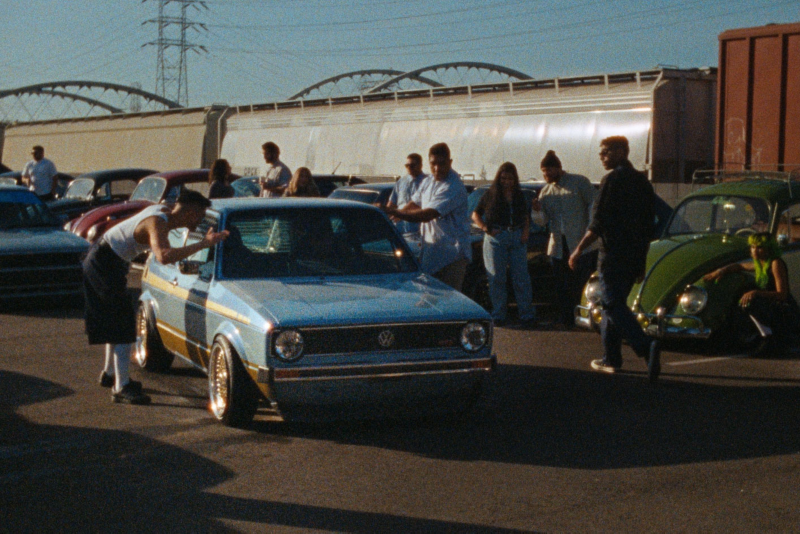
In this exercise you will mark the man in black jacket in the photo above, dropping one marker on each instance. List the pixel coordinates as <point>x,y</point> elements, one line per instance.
<point>623,219</point>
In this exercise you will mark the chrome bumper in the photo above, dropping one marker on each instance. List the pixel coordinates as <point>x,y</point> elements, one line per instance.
<point>662,326</point>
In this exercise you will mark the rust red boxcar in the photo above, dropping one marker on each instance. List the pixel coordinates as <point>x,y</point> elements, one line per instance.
<point>758,98</point>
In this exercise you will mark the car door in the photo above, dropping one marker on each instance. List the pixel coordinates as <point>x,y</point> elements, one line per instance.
<point>788,236</point>
<point>193,279</point>
<point>163,284</point>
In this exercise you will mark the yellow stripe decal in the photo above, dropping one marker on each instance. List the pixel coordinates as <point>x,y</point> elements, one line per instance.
<point>183,294</point>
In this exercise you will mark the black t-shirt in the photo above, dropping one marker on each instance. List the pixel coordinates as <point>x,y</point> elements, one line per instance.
<point>503,213</point>
<point>220,190</point>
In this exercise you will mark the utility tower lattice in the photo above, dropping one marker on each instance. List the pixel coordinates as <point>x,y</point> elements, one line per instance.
<point>172,73</point>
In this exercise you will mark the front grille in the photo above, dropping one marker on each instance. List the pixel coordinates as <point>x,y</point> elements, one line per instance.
<point>420,336</point>
<point>40,274</point>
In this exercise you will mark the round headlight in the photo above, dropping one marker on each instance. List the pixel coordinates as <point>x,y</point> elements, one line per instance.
<point>91,235</point>
<point>593,292</point>
<point>289,345</point>
<point>474,337</point>
<point>693,300</point>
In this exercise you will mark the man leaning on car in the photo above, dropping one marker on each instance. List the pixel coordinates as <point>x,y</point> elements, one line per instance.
<point>440,206</point>
<point>110,317</point>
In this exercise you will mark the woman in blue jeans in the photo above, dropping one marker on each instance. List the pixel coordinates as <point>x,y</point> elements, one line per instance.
<point>504,216</point>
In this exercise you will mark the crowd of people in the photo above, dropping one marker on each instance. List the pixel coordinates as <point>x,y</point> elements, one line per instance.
<point>607,230</point>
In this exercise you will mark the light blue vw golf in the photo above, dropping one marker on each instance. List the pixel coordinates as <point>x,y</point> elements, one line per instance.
<point>310,302</point>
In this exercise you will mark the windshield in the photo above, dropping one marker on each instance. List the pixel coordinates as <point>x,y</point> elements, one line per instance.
<point>22,209</point>
<point>150,189</point>
<point>80,188</point>
<point>246,187</point>
<point>289,242</point>
<point>367,197</point>
<point>720,215</point>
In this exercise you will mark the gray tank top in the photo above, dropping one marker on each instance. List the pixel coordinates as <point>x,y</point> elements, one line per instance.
<point>120,238</point>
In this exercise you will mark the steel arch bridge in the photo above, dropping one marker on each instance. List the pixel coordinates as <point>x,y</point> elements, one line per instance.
<point>76,98</point>
<point>370,81</point>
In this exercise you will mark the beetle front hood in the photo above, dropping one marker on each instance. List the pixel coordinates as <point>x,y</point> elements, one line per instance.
<point>675,262</point>
<point>362,300</point>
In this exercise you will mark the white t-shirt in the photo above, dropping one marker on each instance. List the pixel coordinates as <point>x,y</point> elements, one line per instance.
<point>41,175</point>
<point>277,174</point>
<point>121,238</point>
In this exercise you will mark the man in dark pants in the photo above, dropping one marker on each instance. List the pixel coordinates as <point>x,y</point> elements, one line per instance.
<point>110,317</point>
<point>623,219</point>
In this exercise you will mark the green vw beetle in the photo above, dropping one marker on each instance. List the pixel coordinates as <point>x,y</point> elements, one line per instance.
<point>709,229</point>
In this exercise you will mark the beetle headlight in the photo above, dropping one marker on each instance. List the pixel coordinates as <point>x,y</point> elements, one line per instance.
<point>289,345</point>
<point>593,292</point>
<point>474,337</point>
<point>91,235</point>
<point>693,300</point>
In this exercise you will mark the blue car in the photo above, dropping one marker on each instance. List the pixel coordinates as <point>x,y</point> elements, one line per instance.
<point>37,257</point>
<point>308,303</point>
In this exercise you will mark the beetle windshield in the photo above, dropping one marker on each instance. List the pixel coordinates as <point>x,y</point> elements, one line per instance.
<point>720,215</point>
<point>312,242</point>
<point>80,188</point>
<point>22,209</point>
<point>150,189</point>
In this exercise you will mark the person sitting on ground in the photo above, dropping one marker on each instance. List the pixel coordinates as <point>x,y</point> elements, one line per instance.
<point>771,303</point>
<point>219,179</point>
<point>301,184</point>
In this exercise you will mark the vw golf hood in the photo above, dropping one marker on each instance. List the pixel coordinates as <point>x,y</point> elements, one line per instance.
<point>678,261</point>
<point>362,300</point>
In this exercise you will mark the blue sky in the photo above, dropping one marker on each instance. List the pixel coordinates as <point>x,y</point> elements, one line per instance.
<point>266,50</point>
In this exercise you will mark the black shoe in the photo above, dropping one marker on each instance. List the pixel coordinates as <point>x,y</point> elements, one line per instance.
<point>605,367</point>
<point>131,393</point>
<point>654,361</point>
<point>106,380</point>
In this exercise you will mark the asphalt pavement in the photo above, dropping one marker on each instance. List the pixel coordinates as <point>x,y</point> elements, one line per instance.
<point>550,447</point>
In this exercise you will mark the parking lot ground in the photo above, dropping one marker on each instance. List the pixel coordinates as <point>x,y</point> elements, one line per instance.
<point>550,446</point>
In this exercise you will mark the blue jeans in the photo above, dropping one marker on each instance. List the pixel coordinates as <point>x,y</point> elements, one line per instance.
<point>501,253</point>
<point>618,320</point>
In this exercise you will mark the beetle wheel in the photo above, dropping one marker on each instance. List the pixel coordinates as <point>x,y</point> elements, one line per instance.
<point>150,353</point>
<point>232,394</point>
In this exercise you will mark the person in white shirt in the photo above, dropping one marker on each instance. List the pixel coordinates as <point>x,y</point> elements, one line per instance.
<point>404,190</point>
<point>39,175</point>
<point>440,206</point>
<point>109,314</point>
<point>566,203</point>
<point>277,176</point>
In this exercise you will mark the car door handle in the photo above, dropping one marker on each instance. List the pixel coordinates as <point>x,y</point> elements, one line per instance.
<point>174,281</point>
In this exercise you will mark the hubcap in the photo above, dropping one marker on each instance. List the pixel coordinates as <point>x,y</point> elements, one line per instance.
<point>218,381</point>
<point>141,339</point>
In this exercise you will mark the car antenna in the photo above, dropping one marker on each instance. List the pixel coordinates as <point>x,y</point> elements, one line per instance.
<point>335,168</point>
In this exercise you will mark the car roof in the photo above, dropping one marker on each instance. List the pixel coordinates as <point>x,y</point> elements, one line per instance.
<point>4,187</point>
<point>183,176</point>
<point>773,190</point>
<point>229,205</point>
<point>118,174</point>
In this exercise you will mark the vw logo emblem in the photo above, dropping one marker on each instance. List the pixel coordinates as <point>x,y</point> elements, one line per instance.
<point>386,339</point>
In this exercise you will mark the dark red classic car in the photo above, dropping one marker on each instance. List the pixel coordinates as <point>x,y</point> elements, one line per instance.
<point>163,187</point>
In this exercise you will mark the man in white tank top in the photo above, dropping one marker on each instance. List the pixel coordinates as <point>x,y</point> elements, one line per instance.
<point>110,316</point>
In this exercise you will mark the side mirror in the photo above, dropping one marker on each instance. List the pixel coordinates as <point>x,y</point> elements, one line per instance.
<point>189,267</point>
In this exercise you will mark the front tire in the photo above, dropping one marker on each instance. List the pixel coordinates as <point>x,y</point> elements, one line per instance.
<point>150,353</point>
<point>233,396</point>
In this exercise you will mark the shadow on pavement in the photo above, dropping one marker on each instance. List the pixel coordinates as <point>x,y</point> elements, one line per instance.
<point>575,419</point>
<point>68,479</point>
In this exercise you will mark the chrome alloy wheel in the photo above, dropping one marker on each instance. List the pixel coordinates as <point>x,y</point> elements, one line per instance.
<point>219,381</point>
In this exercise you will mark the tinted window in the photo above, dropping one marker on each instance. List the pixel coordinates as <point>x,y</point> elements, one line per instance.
<point>367,197</point>
<point>22,209</point>
<point>312,242</point>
